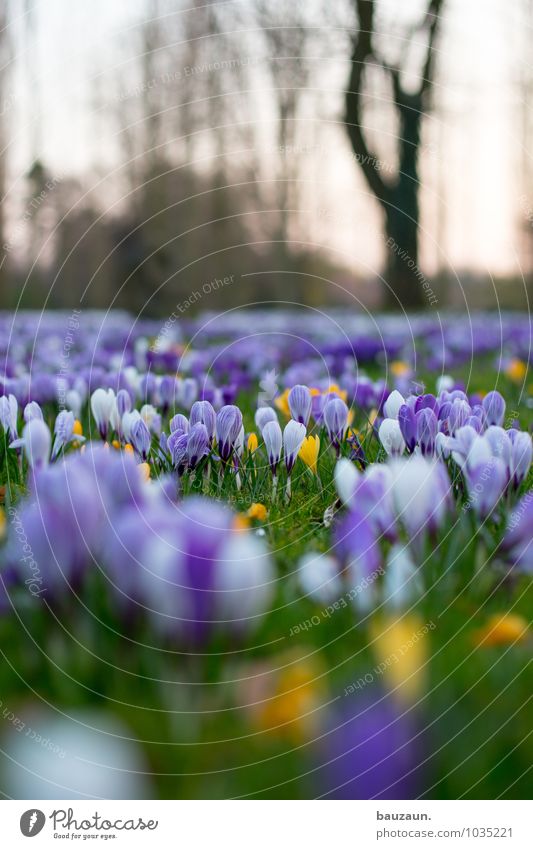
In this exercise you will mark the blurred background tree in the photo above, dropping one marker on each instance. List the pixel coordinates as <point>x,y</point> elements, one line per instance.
<point>283,143</point>
<point>398,196</point>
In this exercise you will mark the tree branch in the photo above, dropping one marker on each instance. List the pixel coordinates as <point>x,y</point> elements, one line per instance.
<point>433,21</point>
<point>362,51</point>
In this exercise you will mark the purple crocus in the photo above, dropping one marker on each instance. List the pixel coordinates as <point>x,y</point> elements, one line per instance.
<point>521,457</point>
<point>179,423</point>
<point>64,432</point>
<point>486,483</point>
<point>517,545</point>
<point>228,426</point>
<point>202,412</point>
<point>408,426</point>
<point>197,444</point>
<point>336,419</point>
<point>124,404</point>
<point>140,439</point>
<point>177,448</point>
<point>300,403</point>
<point>494,407</point>
<point>198,575</point>
<point>370,750</point>
<point>426,430</point>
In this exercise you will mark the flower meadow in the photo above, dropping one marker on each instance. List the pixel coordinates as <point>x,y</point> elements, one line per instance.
<point>290,562</point>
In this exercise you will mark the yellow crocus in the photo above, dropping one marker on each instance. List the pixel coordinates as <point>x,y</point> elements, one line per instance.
<point>282,403</point>
<point>309,452</point>
<point>401,648</point>
<point>516,370</point>
<point>128,448</point>
<point>257,511</point>
<point>77,429</point>
<point>399,368</point>
<point>252,443</point>
<point>502,629</point>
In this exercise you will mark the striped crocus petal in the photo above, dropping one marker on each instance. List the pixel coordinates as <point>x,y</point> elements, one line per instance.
<point>197,444</point>
<point>300,404</point>
<point>228,427</point>
<point>293,437</point>
<point>202,412</point>
<point>273,443</point>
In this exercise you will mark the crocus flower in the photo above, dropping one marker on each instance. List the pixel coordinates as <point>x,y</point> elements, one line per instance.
<point>309,452</point>
<point>357,547</point>
<point>408,426</point>
<point>390,436</point>
<point>335,417</point>
<point>64,432</point>
<point>486,483</point>
<point>293,437</point>
<point>177,447</point>
<point>140,438</point>
<point>370,750</point>
<point>273,438</point>
<point>517,544</point>
<point>8,415</point>
<point>151,418</point>
<point>127,422</point>
<point>264,415</point>
<point>299,400</point>
<point>35,442</point>
<point>426,430</point>
<point>180,423</point>
<point>521,457</point>
<point>103,403</point>
<point>201,576</point>
<point>319,577</point>
<point>345,477</point>
<point>228,427</point>
<point>74,402</point>
<point>202,412</point>
<point>197,444</point>
<point>494,407</point>
<point>421,493</point>
<point>393,404</point>
<point>402,584</point>
<point>123,402</point>
<point>32,411</point>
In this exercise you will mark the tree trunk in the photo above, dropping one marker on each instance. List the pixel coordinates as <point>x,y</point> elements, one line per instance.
<point>404,278</point>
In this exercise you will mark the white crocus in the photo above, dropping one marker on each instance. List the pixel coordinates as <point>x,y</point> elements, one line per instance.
<point>345,477</point>
<point>401,584</point>
<point>74,402</point>
<point>35,442</point>
<point>392,405</point>
<point>319,577</point>
<point>102,406</point>
<point>128,420</point>
<point>391,437</point>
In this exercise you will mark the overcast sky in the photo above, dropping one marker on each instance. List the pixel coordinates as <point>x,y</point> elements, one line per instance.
<point>477,191</point>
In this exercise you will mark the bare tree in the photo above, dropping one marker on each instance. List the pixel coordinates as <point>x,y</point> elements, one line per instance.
<point>398,197</point>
